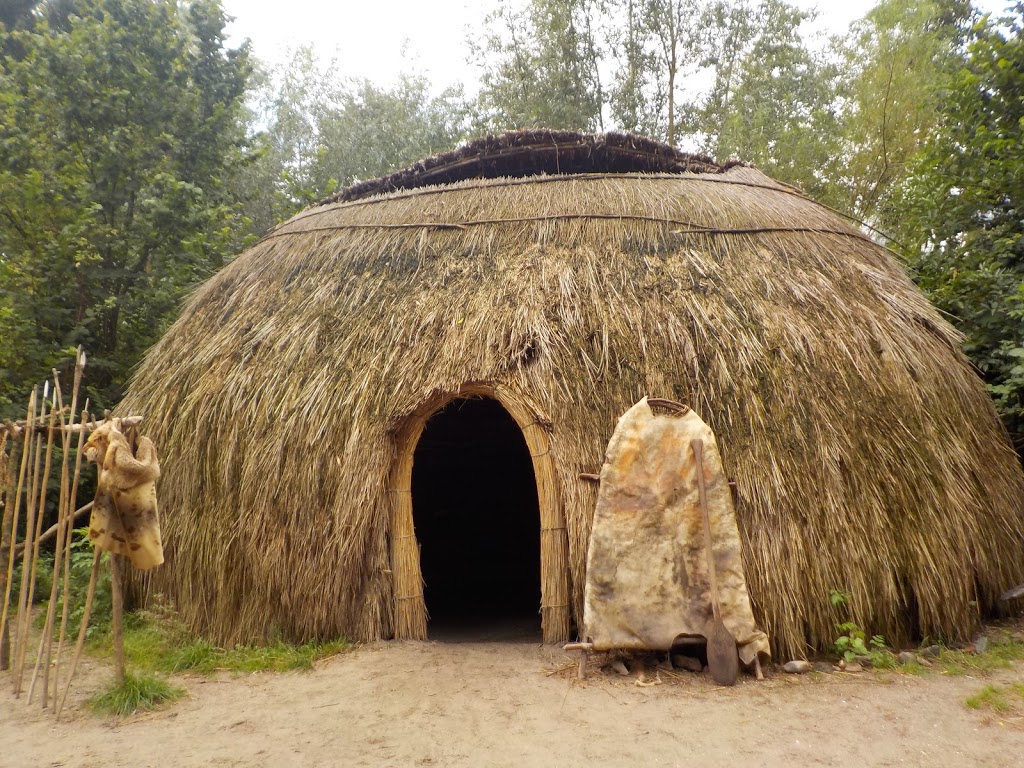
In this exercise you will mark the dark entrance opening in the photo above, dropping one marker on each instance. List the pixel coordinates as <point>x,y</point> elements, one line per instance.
<point>474,501</point>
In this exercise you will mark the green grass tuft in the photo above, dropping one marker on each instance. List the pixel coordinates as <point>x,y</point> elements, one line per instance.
<point>157,642</point>
<point>203,658</point>
<point>1003,650</point>
<point>137,693</point>
<point>1001,699</point>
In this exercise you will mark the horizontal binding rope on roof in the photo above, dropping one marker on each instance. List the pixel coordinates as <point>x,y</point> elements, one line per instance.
<point>536,153</point>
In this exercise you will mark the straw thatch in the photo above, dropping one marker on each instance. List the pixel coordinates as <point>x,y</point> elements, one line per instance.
<point>866,454</point>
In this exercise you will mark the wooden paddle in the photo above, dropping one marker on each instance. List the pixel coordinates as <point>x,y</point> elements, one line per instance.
<point>723,660</point>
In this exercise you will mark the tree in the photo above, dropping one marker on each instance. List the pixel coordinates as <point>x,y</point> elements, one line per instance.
<point>540,68</point>
<point>637,98</point>
<point>897,62</point>
<point>373,130</point>
<point>119,136</point>
<point>781,114</point>
<point>963,209</point>
<point>17,13</point>
<point>316,133</point>
<point>730,28</point>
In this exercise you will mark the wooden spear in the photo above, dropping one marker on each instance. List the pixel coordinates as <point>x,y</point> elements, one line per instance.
<point>81,630</point>
<point>62,520</point>
<point>24,604</point>
<point>26,450</point>
<point>67,558</point>
<point>5,540</point>
<point>41,514</point>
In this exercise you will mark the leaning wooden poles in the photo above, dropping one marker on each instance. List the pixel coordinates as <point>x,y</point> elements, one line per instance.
<point>9,533</point>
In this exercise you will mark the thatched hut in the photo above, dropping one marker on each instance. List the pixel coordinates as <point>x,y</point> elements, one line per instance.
<point>419,370</point>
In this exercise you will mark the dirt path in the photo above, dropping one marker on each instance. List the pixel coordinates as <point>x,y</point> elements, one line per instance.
<point>432,704</point>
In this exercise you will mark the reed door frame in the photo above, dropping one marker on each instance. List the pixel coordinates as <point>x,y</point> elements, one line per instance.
<point>410,612</point>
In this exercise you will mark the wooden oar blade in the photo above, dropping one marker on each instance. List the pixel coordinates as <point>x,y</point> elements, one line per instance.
<point>723,659</point>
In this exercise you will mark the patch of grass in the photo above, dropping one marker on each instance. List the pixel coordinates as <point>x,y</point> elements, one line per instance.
<point>1003,649</point>
<point>884,659</point>
<point>137,693</point>
<point>914,669</point>
<point>157,642</point>
<point>204,658</point>
<point>1001,699</point>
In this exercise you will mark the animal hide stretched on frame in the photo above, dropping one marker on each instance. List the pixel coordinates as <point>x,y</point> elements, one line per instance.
<point>125,518</point>
<point>647,571</point>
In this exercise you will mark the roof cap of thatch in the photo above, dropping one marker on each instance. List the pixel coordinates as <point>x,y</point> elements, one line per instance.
<point>534,153</point>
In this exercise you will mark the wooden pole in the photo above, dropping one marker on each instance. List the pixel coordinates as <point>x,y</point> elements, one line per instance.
<point>40,514</point>
<point>26,564</point>
<point>50,532</point>
<point>81,630</point>
<point>26,450</point>
<point>5,543</point>
<point>69,533</point>
<point>62,520</point>
<point>117,615</point>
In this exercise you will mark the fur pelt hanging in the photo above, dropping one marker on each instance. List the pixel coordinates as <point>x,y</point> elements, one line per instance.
<point>124,518</point>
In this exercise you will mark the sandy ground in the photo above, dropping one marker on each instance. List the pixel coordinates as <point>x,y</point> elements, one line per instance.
<point>499,704</point>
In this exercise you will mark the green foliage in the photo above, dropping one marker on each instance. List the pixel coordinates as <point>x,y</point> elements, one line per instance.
<point>81,568</point>
<point>319,133</point>
<point>962,224</point>
<point>852,643</point>
<point>155,641</point>
<point>780,113</point>
<point>82,554</point>
<point>204,658</point>
<point>895,67</point>
<point>1001,699</point>
<point>838,597</point>
<point>1002,652</point>
<point>539,68</point>
<point>117,134</point>
<point>137,693</point>
<point>637,95</point>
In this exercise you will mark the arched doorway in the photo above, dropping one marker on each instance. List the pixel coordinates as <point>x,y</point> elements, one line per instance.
<point>477,521</point>
<point>409,608</point>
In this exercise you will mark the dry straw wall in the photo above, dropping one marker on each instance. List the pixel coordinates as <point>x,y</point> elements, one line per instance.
<point>866,453</point>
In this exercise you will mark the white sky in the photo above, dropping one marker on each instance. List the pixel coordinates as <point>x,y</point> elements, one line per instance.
<point>380,39</point>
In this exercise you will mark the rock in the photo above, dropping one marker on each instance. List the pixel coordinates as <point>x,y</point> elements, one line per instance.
<point>665,664</point>
<point>679,661</point>
<point>931,651</point>
<point>797,667</point>
<point>981,644</point>
<point>619,667</point>
<point>906,657</point>
<point>824,667</point>
<point>854,667</point>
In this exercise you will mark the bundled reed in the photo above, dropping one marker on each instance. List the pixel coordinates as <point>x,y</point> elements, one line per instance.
<point>866,453</point>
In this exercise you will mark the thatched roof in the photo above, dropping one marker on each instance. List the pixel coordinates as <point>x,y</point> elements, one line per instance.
<point>533,153</point>
<point>866,453</point>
